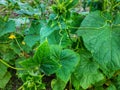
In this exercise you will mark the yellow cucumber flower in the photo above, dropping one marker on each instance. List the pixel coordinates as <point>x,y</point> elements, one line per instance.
<point>12,36</point>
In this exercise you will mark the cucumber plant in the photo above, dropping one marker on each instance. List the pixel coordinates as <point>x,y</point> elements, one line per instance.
<point>79,51</point>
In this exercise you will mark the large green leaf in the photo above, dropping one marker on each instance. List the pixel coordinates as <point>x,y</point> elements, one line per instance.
<point>87,72</point>
<point>43,60</point>
<point>102,38</point>
<point>6,27</point>
<point>69,61</point>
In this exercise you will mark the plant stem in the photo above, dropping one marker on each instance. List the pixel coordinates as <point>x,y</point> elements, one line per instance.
<point>6,64</point>
<point>19,45</point>
<point>69,35</point>
<point>70,85</point>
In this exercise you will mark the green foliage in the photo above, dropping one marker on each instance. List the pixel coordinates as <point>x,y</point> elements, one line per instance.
<point>52,46</point>
<point>101,38</point>
<point>6,27</point>
<point>87,72</point>
<point>4,75</point>
<point>32,32</point>
<point>4,80</point>
<point>68,60</point>
<point>58,84</point>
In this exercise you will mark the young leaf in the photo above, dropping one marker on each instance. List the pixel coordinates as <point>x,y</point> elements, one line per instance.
<point>29,64</point>
<point>72,3</point>
<point>58,84</point>
<point>42,57</point>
